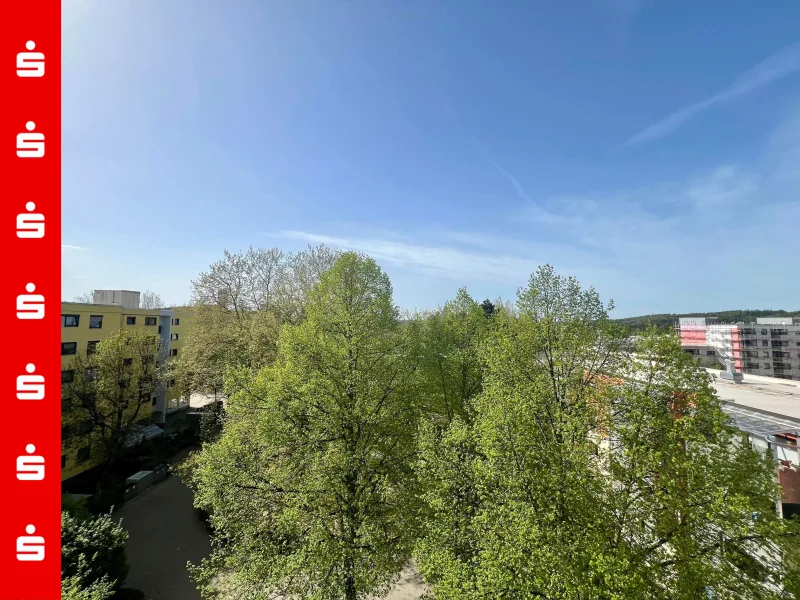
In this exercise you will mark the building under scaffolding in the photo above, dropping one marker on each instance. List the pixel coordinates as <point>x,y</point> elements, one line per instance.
<point>770,347</point>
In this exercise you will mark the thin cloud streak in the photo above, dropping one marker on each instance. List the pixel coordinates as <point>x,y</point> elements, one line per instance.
<point>776,67</point>
<point>515,183</point>
<point>71,247</point>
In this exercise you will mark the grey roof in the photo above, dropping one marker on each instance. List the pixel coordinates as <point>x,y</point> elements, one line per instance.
<point>761,423</point>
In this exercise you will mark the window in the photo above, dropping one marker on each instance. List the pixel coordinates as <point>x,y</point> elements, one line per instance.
<point>176,321</point>
<point>766,353</point>
<point>171,383</point>
<point>173,352</point>
<point>154,400</point>
<point>96,322</point>
<point>63,461</point>
<point>173,337</point>
<point>83,455</point>
<point>84,427</point>
<point>66,404</point>
<point>91,373</point>
<point>765,342</point>
<point>763,332</point>
<point>767,366</point>
<point>159,329</point>
<point>91,347</point>
<point>88,400</point>
<point>68,376</point>
<point>68,348</point>
<point>149,320</point>
<point>710,352</point>
<point>70,320</point>
<point>130,320</point>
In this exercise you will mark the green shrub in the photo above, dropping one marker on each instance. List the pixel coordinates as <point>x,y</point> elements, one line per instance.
<point>93,549</point>
<point>77,508</point>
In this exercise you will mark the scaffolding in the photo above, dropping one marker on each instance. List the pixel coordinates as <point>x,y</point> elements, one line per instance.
<point>724,338</point>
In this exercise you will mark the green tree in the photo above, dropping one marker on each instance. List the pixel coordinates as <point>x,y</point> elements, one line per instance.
<point>310,486</point>
<point>73,589</point>
<point>593,472</point>
<point>239,305</point>
<point>93,554</point>
<point>108,389</point>
<point>448,362</point>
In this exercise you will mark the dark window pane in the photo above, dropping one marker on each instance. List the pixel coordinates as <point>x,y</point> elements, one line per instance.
<point>83,454</point>
<point>130,320</point>
<point>95,321</point>
<point>91,347</point>
<point>149,320</point>
<point>68,376</point>
<point>69,348</point>
<point>70,320</point>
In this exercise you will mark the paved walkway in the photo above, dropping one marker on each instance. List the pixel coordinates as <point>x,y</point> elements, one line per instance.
<point>165,534</point>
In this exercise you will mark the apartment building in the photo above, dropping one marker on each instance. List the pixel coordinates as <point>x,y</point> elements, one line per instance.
<point>769,347</point>
<point>83,326</point>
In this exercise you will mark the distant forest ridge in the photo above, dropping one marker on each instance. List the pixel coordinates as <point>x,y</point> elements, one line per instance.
<point>667,321</point>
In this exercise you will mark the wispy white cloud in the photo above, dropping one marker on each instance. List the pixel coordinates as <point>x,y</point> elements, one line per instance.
<point>440,260</point>
<point>514,183</point>
<point>776,67</point>
<point>71,247</point>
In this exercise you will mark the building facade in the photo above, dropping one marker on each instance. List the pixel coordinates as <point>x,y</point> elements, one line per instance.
<point>83,326</point>
<point>769,347</point>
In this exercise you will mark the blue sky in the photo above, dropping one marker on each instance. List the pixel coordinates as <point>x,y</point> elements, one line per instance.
<point>650,148</point>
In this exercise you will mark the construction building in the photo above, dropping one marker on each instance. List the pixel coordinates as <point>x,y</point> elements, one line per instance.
<point>769,347</point>
<point>83,326</point>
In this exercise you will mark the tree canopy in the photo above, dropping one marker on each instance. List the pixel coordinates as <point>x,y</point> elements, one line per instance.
<point>514,451</point>
<point>109,391</point>
<point>310,484</point>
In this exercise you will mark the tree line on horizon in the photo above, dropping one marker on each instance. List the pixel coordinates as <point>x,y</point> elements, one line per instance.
<point>667,321</point>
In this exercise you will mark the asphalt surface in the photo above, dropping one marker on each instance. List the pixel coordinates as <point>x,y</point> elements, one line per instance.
<point>165,534</point>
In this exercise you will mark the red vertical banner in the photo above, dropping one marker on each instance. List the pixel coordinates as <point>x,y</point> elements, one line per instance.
<point>30,229</point>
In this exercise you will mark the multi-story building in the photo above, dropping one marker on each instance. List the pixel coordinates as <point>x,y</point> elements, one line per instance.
<point>769,347</point>
<point>84,325</point>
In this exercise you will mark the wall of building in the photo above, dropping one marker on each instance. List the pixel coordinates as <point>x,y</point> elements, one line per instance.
<point>114,318</point>
<point>770,347</point>
<point>772,350</point>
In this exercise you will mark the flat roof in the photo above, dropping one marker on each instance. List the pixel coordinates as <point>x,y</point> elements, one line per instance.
<point>765,405</point>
